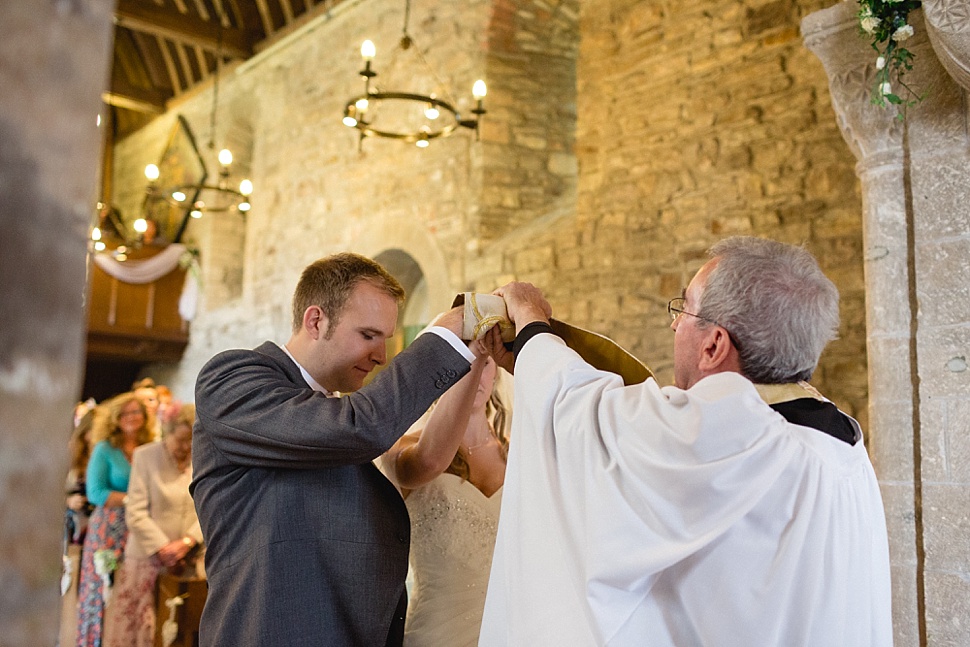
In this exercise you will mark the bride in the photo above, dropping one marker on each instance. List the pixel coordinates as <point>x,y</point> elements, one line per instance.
<point>451,468</point>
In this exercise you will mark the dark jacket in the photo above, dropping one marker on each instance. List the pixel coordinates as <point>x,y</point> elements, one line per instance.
<point>307,540</point>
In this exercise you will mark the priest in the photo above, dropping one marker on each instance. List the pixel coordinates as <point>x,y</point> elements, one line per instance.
<point>737,507</point>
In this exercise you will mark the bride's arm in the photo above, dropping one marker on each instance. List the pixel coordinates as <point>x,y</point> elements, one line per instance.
<point>416,459</point>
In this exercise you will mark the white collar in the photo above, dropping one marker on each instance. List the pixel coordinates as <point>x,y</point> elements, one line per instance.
<point>316,386</point>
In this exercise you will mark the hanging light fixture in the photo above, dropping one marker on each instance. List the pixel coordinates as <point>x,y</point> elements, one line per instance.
<point>200,197</point>
<point>420,118</point>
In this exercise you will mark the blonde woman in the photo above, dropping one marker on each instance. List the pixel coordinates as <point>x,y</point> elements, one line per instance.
<point>124,426</point>
<point>450,469</point>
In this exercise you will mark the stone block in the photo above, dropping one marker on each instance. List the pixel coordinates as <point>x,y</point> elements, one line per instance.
<point>957,440</point>
<point>890,440</point>
<point>906,625</point>
<point>944,284</point>
<point>946,523</point>
<point>887,287</point>
<point>889,370</point>
<point>947,606</point>
<point>933,435</point>
<point>897,498</point>
<point>942,200</point>
<point>943,362</point>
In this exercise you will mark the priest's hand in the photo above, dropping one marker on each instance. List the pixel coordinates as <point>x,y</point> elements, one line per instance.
<point>525,304</point>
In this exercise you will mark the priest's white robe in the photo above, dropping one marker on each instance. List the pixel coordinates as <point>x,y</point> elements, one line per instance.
<point>657,516</point>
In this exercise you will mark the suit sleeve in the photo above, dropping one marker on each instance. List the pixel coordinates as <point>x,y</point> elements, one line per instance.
<point>256,416</point>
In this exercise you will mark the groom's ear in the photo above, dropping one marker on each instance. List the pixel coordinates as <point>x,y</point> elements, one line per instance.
<point>315,322</point>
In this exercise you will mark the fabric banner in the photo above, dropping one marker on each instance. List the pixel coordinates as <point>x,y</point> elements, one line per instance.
<point>141,271</point>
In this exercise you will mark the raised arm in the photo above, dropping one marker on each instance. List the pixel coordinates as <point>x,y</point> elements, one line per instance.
<point>416,459</point>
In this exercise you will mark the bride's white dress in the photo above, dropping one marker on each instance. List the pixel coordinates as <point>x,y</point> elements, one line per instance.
<point>453,529</point>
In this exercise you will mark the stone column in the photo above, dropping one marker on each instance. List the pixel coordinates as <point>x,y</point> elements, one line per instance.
<point>916,222</point>
<point>54,57</point>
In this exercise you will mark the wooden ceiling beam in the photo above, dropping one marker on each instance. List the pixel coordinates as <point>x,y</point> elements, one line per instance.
<point>166,23</point>
<point>266,16</point>
<point>125,95</point>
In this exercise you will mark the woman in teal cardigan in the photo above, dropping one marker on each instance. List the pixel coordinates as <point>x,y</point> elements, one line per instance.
<point>123,425</point>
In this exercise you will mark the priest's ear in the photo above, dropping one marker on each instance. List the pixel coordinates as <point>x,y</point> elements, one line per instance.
<point>718,353</point>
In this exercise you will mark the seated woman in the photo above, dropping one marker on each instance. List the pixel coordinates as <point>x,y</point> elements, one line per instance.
<point>163,529</point>
<point>451,468</point>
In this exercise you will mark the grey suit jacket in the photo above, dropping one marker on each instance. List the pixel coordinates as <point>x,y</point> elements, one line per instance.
<point>307,540</point>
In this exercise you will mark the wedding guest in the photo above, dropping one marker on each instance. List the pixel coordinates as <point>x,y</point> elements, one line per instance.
<point>165,400</point>
<point>451,469</point>
<point>163,529</point>
<point>125,426</point>
<point>147,392</point>
<point>78,507</point>
<point>76,516</point>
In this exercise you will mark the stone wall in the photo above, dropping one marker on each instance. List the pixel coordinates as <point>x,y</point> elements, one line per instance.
<point>316,193</point>
<point>695,121</point>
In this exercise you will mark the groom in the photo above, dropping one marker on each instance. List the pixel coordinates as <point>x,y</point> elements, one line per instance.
<point>307,541</point>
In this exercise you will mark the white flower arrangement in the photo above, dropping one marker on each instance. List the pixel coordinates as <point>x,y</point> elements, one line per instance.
<point>885,21</point>
<point>105,564</point>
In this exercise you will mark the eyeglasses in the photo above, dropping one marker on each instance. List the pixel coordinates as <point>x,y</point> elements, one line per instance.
<point>675,308</point>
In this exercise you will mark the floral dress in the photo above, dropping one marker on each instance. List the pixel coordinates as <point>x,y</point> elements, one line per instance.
<point>108,470</point>
<point>106,531</point>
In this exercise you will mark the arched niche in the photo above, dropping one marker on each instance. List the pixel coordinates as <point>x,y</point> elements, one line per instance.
<point>417,310</point>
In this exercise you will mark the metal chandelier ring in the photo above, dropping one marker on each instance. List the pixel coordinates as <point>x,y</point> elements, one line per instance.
<point>350,110</point>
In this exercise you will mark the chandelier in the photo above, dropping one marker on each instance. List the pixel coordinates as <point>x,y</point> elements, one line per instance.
<point>184,189</point>
<point>414,118</point>
<point>200,197</point>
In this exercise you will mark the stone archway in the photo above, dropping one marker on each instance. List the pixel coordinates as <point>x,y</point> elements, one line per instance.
<point>416,312</point>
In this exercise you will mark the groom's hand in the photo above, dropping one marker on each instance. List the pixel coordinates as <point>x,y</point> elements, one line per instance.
<point>451,319</point>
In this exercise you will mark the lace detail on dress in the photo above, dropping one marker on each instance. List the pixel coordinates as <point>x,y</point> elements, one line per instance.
<point>453,528</point>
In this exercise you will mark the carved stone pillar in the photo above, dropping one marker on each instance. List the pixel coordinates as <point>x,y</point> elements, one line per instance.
<point>916,223</point>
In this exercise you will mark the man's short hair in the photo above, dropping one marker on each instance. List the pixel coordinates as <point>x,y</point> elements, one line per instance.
<point>328,282</point>
<point>776,302</point>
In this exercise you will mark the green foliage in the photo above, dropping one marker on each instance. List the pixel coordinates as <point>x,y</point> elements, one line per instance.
<point>886,22</point>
